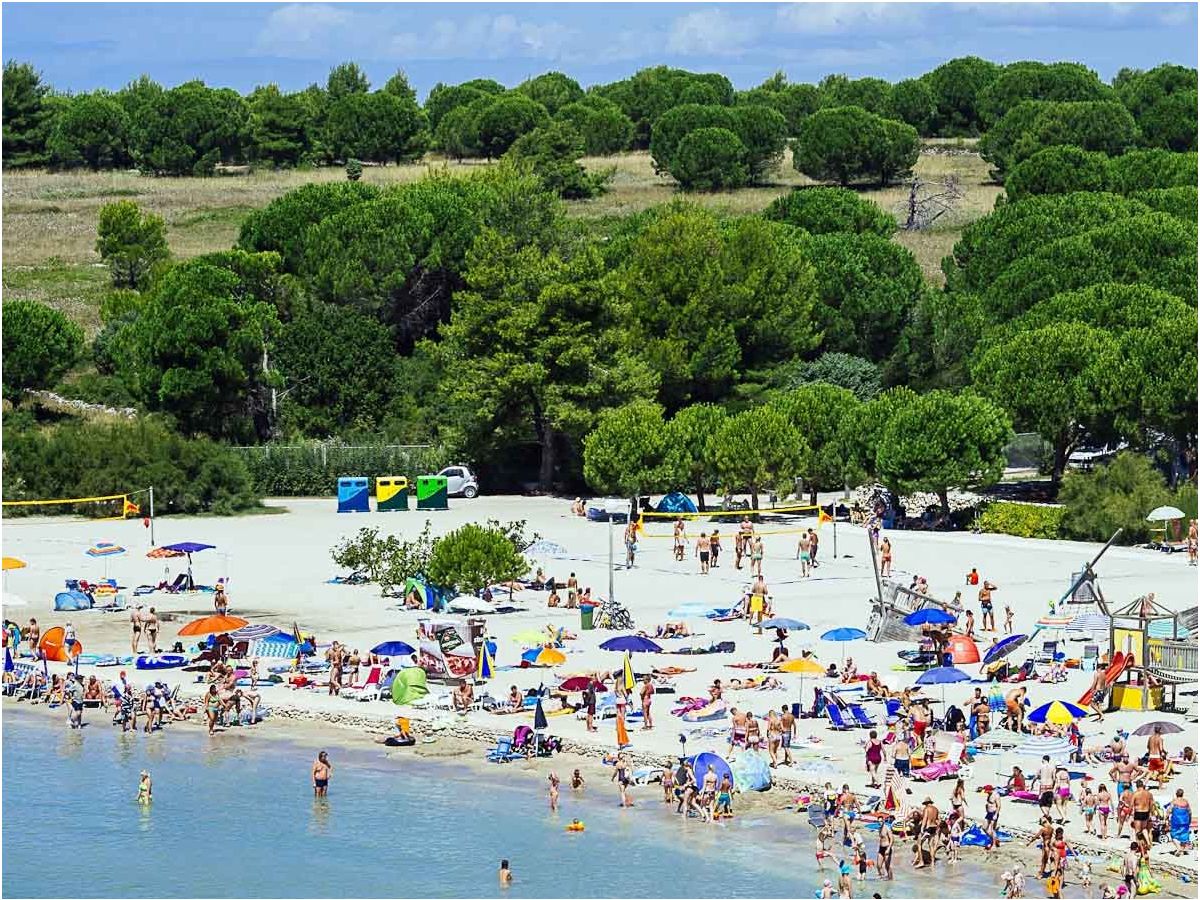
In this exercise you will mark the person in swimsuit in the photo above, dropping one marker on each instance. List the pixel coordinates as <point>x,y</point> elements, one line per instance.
<point>145,789</point>
<point>991,816</point>
<point>724,798</point>
<point>1103,809</point>
<point>804,553</point>
<point>756,555</point>
<point>985,606</point>
<point>874,757</point>
<point>505,873</point>
<point>322,771</point>
<point>774,737</point>
<point>703,547</point>
<point>930,818</point>
<point>759,594</point>
<point>883,862</point>
<point>741,545</point>
<point>1045,834</point>
<point>753,734</point>
<point>212,707</point>
<point>553,779</point>
<point>1062,792</point>
<point>787,732</point>
<point>630,543</point>
<point>680,539</point>
<point>621,776</point>
<point>1143,802</point>
<point>135,624</point>
<point>647,697</point>
<point>151,628</point>
<point>572,592</point>
<point>714,543</point>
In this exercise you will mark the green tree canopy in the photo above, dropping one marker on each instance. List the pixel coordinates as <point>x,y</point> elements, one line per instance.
<point>711,303</point>
<point>282,224</point>
<point>278,126</point>
<point>380,127</point>
<point>1056,380</point>
<point>841,144</point>
<point>1112,496</point>
<point>196,351</point>
<point>1163,102</point>
<point>131,242</point>
<point>25,116</point>
<point>650,92</point>
<point>831,210</point>
<point>818,412</point>
<point>90,130</point>
<point>532,350</point>
<point>710,159</point>
<point>869,288</point>
<point>40,345</point>
<point>188,129</point>
<point>1058,170</point>
<point>872,94</point>
<point>346,79</point>
<point>1032,125</point>
<point>1142,170</point>
<point>793,101</point>
<point>1061,81</point>
<point>553,90</point>
<point>629,451</point>
<point>551,150</point>
<point>862,428</point>
<point>758,450</point>
<point>504,119</point>
<point>913,102</point>
<point>457,132</point>
<point>693,436</point>
<point>942,440</point>
<point>471,557</point>
<point>443,98</point>
<point>859,376</point>
<point>956,86</point>
<point>602,124</point>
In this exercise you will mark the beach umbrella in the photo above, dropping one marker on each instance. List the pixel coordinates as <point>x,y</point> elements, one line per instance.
<point>842,635</point>
<point>963,650</point>
<point>1045,745</point>
<point>539,717</point>
<point>393,648</point>
<point>631,643</point>
<point>258,632</point>
<point>700,763</point>
<point>580,683</point>
<point>483,670</point>
<point>212,625</point>
<point>789,624</point>
<point>11,562</point>
<point>930,615</point>
<point>1165,514</point>
<point>1164,727</point>
<point>942,675</point>
<point>163,553</point>
<point>104,550</point>
<point>802,666</point>
<point>627,672</point>
<point>1057,712</point>
<point>1003,648</point>
<point>549,656</point>
<point>188,548</point>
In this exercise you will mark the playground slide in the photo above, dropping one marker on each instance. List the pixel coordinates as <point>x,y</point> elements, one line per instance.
<point>1118,665</point>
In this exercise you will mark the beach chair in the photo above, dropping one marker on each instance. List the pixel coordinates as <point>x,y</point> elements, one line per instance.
<point>369,689</point>
<point>861,719</point>
<point>240,650</point>
<point>118,605</point>
<point>503,752</point>
<point>836,719</point>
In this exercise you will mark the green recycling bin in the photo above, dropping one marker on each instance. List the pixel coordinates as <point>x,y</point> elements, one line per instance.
<point>585,617</point>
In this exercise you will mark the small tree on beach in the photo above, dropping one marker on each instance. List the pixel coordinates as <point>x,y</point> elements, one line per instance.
<point>474,556</point>
<point>389,561</point>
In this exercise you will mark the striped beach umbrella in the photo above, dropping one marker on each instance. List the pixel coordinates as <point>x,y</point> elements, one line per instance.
<point>1053,747</point>
<point>104,550</point>
<point>1089,622</point>
<point>483,670</point>
<point>257,632</point>
<point>1057,712</point>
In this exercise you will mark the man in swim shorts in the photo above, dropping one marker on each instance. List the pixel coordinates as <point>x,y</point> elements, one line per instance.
<point>1143,801</point>
<point>322,771</point>
<point>787,724</point>
<point>703,548</point>
<point>135,624</point>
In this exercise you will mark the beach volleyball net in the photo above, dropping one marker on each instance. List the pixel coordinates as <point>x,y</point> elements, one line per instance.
<point>107,507</point>
<point>790,519</point>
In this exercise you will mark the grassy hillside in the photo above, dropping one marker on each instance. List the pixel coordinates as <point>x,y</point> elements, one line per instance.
<point>50,219</point>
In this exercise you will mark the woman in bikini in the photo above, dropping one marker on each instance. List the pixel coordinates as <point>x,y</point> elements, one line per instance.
<point>756,555</point>
<point>1104,809</point>
<point>212,707</point>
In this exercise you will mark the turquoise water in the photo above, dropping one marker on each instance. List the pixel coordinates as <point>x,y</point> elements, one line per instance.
<point>237,818</point>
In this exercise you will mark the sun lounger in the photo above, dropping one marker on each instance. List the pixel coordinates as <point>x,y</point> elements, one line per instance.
<point>836,719</point>
<point>368,690</point>
<point>861,719</point>
<point>503,752</point>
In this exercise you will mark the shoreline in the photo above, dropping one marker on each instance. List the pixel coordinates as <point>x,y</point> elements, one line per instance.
<point>465,744</point>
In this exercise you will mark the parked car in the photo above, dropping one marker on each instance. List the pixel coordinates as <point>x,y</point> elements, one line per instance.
<point>460,482</point>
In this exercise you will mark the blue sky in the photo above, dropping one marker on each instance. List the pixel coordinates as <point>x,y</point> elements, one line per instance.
<point>79,46</point>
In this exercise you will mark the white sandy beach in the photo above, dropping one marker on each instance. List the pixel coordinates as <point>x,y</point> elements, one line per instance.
<point>277,566</point>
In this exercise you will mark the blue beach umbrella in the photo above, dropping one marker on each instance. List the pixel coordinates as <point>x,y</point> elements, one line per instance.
<point>700,763</point>
<point>632,643</point>
<point>943,675</point>
<point>1004,647</point>
<point>842,635</point>
<point>789,624</point>
<point>189,547</point>
<point>393,648</point>
<point>931,615</point>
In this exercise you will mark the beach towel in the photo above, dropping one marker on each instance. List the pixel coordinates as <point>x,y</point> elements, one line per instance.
<point>1181,825</point>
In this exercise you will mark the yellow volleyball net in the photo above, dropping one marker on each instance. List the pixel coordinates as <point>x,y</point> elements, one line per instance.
<point>790,519</point>
<point>107,507</point>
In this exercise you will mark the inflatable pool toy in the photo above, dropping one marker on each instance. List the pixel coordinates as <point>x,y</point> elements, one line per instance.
<point>164,661</point>
<point>95,659</point>
<point>1146,884</point>
<point>107,661</point>
<point>575,826</point>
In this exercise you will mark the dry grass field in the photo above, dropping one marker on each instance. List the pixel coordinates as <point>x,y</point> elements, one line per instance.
<point>49,225</point>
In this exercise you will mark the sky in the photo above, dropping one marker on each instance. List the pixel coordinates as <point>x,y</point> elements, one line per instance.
<point>83,46</point>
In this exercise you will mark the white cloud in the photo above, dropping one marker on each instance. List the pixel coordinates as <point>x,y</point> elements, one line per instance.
<point>488,37</point>
<point>301,29</point>
<point>847,18</point>
<point>710,31</point>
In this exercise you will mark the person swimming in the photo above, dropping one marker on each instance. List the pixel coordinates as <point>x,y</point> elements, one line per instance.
<point>145,789</point>
<point>505,873</point>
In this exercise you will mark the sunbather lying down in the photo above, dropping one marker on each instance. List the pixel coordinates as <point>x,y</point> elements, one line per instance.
<point>671,670</point>
<point>763,682</point>
<point>669,630</point>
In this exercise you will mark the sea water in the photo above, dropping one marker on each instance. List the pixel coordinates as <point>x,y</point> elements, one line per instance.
<point>237,818</point>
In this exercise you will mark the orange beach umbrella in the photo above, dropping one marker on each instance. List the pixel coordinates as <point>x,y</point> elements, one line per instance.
<point>11,562</point>
<point>212,625</point>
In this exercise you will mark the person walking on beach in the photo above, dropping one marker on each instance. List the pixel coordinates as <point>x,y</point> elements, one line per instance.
<point>742,545</point>
<point>930,818</point>
<point>703,548</point>
<point>630,543</point>
<point>756,555</point>
<point>787,728</point>
<point>804,553</point>
<point>883,860</point>
<point>647,696</point>
<point>553,779</point>
<point>322,771</point>
<point>589,704</point>
<point>680,539</point>
<point>135,625</point>
<point>151,626</point>
<point>714,542</point>
<point>1143,802</point>
<point>759,594</point>
<point>774,736</point>
<point>985,606</point>
<point>1191,543</point>
<point>622,777</point>
<point>885,557</point>
<point>991,816</point>
<point>814,543</point>
<point>874,757</point>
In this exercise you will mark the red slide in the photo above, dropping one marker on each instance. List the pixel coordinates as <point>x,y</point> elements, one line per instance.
<point>1118,665</point>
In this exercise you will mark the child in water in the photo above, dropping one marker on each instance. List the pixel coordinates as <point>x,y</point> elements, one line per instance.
<point>553,779</point>
<point>145,789</point>
<point>576,781</point>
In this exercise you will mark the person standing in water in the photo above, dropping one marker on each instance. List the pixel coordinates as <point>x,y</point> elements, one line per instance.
<point>145,789</point>
<point>553,779</point>
<point>322,771</point>
<point>505,873</point>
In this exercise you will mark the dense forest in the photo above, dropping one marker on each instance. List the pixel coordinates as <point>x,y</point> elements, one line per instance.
<point>675,347</point>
